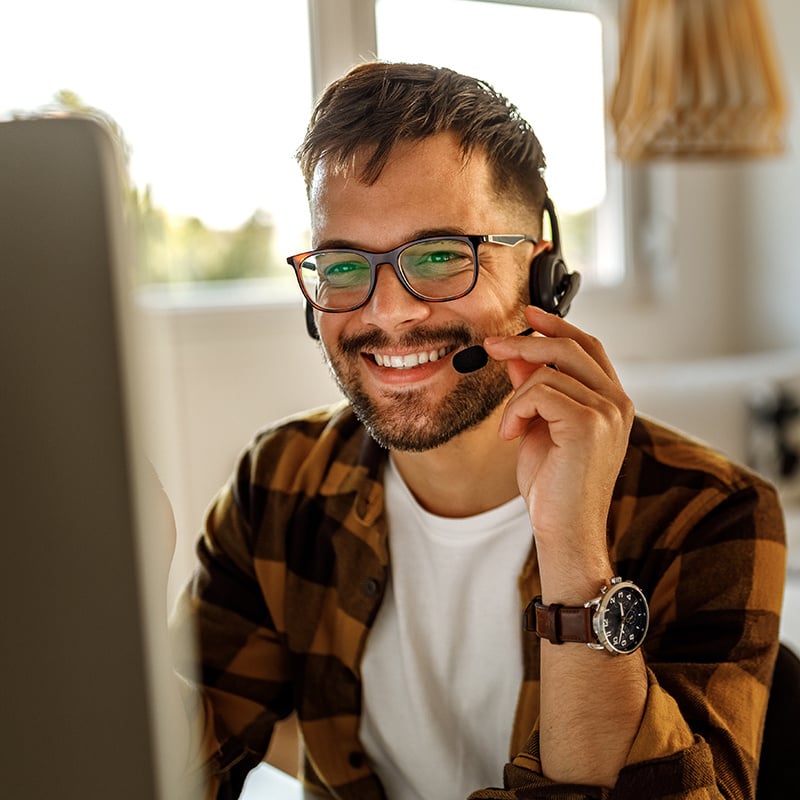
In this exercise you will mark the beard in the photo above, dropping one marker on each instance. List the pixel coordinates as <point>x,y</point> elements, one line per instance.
<point>412,420</point>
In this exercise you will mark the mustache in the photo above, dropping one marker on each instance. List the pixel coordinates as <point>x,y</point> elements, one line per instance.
<point>456,333</point>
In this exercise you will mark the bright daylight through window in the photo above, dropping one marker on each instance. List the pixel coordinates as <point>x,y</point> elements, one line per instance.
<point>212,100</point>
<point>549,63</point>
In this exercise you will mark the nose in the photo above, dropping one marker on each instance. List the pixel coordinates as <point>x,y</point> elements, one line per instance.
<point>392,306</point>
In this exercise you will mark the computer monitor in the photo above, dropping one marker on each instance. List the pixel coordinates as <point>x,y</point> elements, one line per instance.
<point>85,660</point>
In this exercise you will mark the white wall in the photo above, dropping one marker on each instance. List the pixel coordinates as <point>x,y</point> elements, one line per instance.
<point>684,298</point>
<point>727,279</point>
<point>733,283</point>
<point>724,278</point>
<point>770,198</point>
<point>218,374</point>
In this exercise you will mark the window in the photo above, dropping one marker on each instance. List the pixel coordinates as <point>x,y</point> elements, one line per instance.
<point>212,100</point>
<point>549,61</point>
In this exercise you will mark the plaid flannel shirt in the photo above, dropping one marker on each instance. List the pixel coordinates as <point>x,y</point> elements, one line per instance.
<point>294,559</point>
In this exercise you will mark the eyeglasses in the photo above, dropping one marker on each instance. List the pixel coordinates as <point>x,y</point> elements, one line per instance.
<point>435,269</point>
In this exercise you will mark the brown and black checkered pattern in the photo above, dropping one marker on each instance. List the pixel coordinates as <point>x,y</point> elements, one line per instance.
<point>293,563</point>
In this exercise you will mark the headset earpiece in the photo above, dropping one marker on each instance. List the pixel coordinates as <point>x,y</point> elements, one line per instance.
<point>552,285</point>
<point>311,323</point>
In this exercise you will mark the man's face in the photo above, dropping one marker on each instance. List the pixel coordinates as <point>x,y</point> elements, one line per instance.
<point>392,358</point>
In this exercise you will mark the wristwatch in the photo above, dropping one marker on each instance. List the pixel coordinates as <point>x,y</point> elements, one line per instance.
<point>616,620</point>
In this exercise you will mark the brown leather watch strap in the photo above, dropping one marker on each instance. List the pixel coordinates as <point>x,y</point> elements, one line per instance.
<point>559,624</point>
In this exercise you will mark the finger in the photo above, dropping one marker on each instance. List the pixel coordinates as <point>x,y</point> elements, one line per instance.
<point>551,325</point>
<point>556,399</point>
<point>521,412</point>
<point>524,356</point>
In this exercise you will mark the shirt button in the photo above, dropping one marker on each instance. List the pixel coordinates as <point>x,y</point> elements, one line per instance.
<point>371,587</point>
<point>356,759</point>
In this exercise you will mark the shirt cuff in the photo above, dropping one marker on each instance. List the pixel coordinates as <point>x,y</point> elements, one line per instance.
<point>663,731</point>
<point>665,760</point>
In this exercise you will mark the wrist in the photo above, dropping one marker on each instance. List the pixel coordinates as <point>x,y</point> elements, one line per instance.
<point>572,575</point>
<point>615,620</point>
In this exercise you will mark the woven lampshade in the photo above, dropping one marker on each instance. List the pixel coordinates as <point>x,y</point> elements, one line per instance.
<point>697,79</point>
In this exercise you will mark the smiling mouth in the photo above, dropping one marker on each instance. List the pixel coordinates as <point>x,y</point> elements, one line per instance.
<point>410,360</point>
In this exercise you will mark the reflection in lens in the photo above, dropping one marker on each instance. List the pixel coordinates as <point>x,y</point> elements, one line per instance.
<point>439,269</point>
<point>337,279</point>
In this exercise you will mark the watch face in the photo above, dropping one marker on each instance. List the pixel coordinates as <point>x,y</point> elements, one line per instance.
<point>622,618</point>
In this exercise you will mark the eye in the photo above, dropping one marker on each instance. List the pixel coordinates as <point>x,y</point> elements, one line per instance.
<point>439,256</point>
<point>341,272</point>
<point>437,259</point>
<point>342,267</point>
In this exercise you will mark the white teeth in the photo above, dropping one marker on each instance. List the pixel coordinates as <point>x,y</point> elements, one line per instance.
<point>410,361</point>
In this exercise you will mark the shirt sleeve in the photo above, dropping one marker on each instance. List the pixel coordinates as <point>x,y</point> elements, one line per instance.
<point>716,589</point>
<point>239,666</point>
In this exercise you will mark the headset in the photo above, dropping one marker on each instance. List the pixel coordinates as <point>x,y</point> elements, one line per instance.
<point>552,286</point>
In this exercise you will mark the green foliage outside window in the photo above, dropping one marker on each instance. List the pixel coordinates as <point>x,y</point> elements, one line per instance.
<point>175,249</point>
<point>183,249</point>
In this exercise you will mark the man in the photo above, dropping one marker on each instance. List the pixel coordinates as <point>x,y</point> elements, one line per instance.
<point>368,566</point>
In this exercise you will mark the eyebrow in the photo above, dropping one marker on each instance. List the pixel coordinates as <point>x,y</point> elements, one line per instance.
<point>427,233</point>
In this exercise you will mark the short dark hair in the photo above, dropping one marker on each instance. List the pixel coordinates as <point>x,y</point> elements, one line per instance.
<point>379,104</point>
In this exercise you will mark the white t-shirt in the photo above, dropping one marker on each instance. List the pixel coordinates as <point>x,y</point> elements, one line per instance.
<point>443,663</point>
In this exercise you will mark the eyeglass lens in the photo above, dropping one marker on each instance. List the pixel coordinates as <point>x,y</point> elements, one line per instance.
<point>434,269</point>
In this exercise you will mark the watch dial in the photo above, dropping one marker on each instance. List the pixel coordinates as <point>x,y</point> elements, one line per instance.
<point>626,619</point>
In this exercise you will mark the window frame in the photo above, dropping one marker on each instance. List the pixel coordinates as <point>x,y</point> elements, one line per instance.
<point>343,32</point>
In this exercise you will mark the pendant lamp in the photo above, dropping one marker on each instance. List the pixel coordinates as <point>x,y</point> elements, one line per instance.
<point>697,79</point>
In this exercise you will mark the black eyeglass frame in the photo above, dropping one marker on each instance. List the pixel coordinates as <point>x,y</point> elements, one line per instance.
<point>393,257</point>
